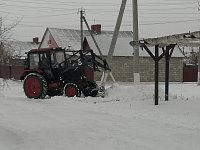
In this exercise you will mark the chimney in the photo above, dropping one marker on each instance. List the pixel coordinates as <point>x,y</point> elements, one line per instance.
<point>96,28</point>
<point>35,40</point>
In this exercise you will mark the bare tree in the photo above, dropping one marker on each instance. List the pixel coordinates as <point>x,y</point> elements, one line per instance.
<point>5,52</point>
<point>5,35</point>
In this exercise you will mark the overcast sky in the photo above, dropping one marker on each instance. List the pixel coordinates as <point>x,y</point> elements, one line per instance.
<point>156,17</point>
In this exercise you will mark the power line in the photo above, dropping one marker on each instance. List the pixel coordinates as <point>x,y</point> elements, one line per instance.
<point>63,3</point>
<point>153,23</point>
<point>78,3</point>
<point>169,3</point>
<point>161,9</point>
<point>66,8</point>
<point>45,8</point>
<point>158,23</point>
<point>41,16</point>
<point>34,7</point>
<point>169,22</point>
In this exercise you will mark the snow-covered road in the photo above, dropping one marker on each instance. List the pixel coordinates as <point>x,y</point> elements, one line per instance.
<point>125,120</point>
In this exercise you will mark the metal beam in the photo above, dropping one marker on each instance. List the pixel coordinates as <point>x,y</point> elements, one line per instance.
<point>168,53</point>
<point>156,74</point>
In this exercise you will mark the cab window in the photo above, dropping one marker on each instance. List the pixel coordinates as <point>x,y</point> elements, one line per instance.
<point>34,61</point>
<point>60,57</point>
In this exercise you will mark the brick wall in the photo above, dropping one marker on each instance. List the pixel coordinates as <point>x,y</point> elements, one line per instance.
<point>147,69</point>
<point>122,69</point>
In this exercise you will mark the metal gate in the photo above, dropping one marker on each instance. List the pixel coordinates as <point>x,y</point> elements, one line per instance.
<point>190,74</point>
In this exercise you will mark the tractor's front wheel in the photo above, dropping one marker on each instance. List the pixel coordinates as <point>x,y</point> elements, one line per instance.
<point>71,90</point>
<point>91,89</point>
<point>35,86</point>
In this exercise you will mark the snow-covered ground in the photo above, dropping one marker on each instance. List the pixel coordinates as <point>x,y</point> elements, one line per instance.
<point>126,119</point>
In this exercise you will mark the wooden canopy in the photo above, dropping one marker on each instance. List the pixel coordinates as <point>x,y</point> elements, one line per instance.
<point>166,44</point>
<point>191,39</point>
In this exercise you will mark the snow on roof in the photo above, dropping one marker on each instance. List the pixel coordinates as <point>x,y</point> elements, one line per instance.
<point>190,39</point>
<point>20,47</point>
<point>122,48</point>
<point>66,37</point>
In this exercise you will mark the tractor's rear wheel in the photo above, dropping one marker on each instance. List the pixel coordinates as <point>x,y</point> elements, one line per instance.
<point>71,90</point>
<point>35,86</point>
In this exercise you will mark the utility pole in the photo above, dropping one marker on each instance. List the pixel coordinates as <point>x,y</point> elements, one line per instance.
<point>0,27</point>
<point>136,73</point>
<point>198,76</point>
<point>114,41</point>
<point>81,26</point>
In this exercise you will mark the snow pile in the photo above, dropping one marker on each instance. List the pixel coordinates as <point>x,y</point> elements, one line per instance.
<point>127,92</point>
<point>126,119</point>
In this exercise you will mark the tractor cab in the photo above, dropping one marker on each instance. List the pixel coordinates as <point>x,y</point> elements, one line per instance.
<point>46,61</point>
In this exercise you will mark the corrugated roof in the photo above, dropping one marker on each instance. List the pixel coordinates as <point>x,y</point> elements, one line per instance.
<point>66,37</point>
<point>123,48</point>
<point>20,47</point>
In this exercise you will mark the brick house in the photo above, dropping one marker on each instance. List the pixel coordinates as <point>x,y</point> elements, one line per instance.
<point>122,62</point>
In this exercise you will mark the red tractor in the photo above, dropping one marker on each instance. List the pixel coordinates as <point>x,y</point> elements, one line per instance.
<point>57,71</point>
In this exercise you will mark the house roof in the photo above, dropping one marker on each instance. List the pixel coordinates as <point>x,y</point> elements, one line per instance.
<point>122,48</point>
<point>66,37</point>
<point>19,48</point>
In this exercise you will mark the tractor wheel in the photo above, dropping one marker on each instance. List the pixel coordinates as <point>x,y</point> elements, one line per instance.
<point>71,90</point>
<point>94,91</point>
<point>35,86</point>
<point>91,90</point>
